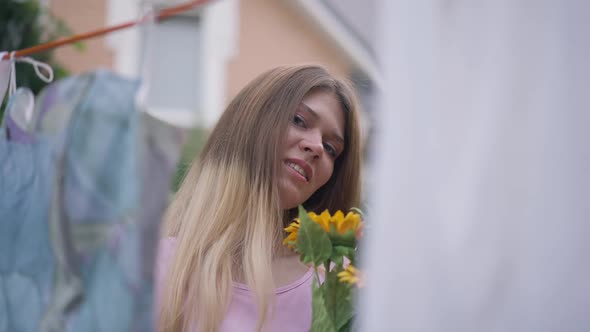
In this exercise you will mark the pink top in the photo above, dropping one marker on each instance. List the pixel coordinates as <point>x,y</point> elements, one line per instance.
<point>292,312</point>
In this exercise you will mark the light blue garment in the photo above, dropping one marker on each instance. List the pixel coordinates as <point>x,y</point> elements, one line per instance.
<point>26,260</point>
<point>99,163</point>
<point>93,115</point>
<point>80,209</point>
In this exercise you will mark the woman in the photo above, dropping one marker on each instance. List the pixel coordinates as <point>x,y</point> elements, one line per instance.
<point>290,137</point>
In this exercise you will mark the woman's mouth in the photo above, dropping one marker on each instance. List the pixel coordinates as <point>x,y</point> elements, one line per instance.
<point>298,169</point>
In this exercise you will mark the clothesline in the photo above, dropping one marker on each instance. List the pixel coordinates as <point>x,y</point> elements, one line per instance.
<point>159,16</point>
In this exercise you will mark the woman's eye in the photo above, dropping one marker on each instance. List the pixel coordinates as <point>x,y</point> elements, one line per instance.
<point>330,149</point>
<point>299,121</point>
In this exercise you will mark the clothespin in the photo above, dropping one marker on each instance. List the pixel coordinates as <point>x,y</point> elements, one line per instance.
<point>147,20</point>
<point>38,65</point>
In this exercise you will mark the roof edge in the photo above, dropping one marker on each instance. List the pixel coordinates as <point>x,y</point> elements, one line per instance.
<point>329,23</point>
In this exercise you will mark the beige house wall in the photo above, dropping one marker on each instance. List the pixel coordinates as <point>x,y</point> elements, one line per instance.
<point>83,16</point>
<point>271,34</point>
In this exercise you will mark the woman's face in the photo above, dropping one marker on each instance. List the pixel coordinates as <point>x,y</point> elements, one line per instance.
<point>315,138</point>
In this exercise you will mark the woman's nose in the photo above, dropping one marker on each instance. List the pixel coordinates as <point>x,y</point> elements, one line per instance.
<point>312,144</point>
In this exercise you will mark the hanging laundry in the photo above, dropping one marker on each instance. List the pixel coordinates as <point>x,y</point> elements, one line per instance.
<point>26,261</point>
<point>19,116</point>
<point>5,68</point>
<point>109,178</point>
<point>160,153</point>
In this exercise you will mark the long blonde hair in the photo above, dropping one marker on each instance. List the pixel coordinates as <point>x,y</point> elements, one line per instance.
<point>226,217</point>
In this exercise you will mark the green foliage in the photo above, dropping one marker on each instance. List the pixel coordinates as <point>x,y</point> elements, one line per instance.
<point>24,24</point>
<point>332,301</point>
<point>312,242</point>
<point>346,239</point>
<point>333,305</point>
<point>338,299</point>
<point>339,252</point>
<point>320,318</point>
<point>195,143</point>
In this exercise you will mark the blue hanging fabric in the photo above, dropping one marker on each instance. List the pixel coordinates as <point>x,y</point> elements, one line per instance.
<point>26,260</point>
<point>105,185</point>
<point>27,264</point>
<point>94,222</point>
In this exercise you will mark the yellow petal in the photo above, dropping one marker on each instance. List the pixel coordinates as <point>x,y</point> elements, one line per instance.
<point>345,226</point>
<point>325,215</point>
<point>338,217</point>
<point>351,275</point>
<point>353,218</point>
<point>290,240</point>
<point>350,222</point>
<point>353,280</point>
<point>350,268</point>
<point>293,227</point>
<point>345,276</point>
<point>324,220</point>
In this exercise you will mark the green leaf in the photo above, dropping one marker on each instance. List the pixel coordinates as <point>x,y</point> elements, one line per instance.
<point>347,327</point>
<point>346,239</point>
<point>339,300</point>
<point>357,210</point>
<point>320,319</point>
<point>79,46</point>
<point>339,251</point>
<point>312,242</point>
<point>337,257</point>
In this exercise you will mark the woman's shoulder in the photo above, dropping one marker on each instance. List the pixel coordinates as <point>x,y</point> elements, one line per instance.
<point>167,244</point>
<point>166,248</point>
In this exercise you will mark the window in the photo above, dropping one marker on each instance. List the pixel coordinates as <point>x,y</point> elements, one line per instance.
<point>172,50</point>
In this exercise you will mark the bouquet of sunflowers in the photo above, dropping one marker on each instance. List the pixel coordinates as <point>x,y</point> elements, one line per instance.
<point>329,243</point>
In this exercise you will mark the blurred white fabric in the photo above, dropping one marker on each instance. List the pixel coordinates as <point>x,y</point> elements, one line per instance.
<point>481,210</point>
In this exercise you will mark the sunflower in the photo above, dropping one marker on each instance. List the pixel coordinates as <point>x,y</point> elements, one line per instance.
<point>351,275</point>
<point>292,229</point>
<point>342,224</point>
<point>324,219</point>
<point>352,221</point>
